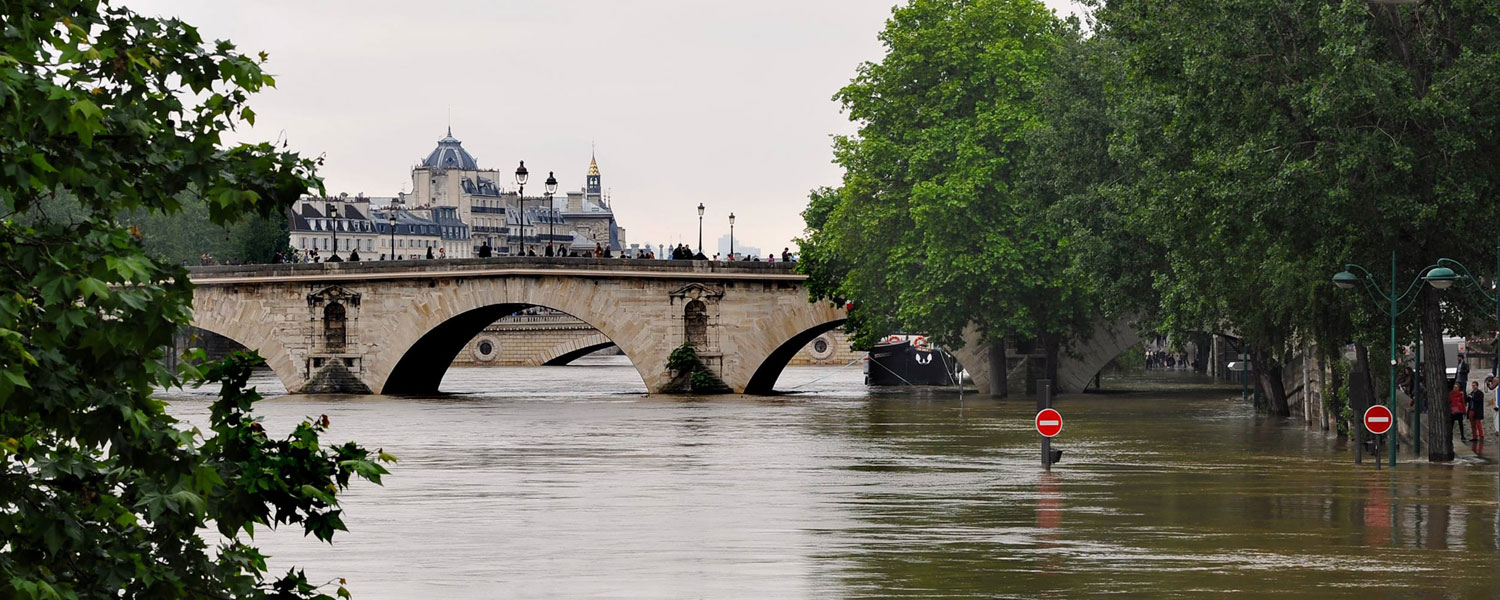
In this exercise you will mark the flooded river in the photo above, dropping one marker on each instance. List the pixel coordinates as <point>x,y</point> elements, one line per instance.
<point>567,482</point>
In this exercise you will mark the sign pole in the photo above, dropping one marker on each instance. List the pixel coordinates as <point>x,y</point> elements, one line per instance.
<point>1043,402</point>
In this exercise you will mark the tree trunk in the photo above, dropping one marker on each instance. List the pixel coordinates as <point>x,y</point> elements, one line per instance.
<point>1268,378</point>
<point>1051,348</point>
<point>999,370</point>
<point>1335,418</point>
<point>1435,379</point>
<point>1202,343</point>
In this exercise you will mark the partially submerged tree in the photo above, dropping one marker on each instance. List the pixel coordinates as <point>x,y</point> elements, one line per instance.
<point>102,494</point>
<point>1276,140</point>
<point>930,231</point>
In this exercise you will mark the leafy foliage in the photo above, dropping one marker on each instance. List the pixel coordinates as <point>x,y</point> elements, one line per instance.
<point>690,369</point>
<point>930,230</point>
<point>101,493</point>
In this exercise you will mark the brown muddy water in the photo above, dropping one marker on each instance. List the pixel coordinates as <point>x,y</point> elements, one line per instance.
<point>567,482</point>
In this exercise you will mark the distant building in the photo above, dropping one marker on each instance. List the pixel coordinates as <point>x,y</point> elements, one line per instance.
<point>362,227</point>
<point>740,249</point>
<point>315,223</point>
<point>457,206</point>
<point>451,177</point>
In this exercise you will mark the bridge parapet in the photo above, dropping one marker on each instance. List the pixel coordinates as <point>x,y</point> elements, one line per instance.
<point>486,267</point>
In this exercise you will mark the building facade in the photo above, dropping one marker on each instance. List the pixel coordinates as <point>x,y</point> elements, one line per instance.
<point>451,177</point>
<point>454,208</point>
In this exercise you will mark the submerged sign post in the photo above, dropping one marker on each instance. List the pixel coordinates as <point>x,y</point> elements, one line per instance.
<point>1378,420</point>
<point>1048,422</point>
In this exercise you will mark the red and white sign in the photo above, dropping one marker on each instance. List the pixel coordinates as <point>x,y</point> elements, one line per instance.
<point>1048,422</point>
<point>1378,419</point>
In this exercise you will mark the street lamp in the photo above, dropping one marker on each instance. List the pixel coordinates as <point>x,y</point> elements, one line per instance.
<point>700,228</point>
<point>551,185</point>
<point>392,217</point>
<point>521,176</point>
<point>731,236</point>
<point>1444,277</point>
<point>333,213</point>
<point>1437,276</point>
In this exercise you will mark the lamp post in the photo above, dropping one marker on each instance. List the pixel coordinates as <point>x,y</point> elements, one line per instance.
<point>1437,276</point>
<point>392,217</point>
<point>551,185</point>
<point>521,176</point>
<point>1443,277</point>
<point>700,228</point>
<point>731,236</point>
<point>333,214</point>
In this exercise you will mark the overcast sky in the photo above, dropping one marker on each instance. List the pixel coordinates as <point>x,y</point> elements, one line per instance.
<point>722,102</point>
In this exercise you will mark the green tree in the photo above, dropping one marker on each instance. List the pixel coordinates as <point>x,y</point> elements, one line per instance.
<point>1270,141</point>
<point>102,494</point>
<point>929,230</point>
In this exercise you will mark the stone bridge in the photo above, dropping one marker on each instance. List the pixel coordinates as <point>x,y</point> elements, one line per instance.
<point>395,327</point>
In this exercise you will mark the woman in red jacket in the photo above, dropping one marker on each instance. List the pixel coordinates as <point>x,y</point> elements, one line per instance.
<point>1456,410</point>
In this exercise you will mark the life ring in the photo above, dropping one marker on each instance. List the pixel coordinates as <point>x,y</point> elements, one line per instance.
<point>919,343</point>
<point>893,339</point>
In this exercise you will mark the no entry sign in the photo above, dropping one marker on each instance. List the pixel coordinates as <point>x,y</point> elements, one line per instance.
<point>1048,422</point>
<point>1378,419</point>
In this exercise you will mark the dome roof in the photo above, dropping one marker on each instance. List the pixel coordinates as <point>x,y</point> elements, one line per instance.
<point>450,154</point>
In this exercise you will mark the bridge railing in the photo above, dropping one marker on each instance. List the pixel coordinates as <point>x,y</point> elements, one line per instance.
<point>529,265</point>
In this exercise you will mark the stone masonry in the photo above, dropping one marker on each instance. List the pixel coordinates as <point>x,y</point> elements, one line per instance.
<point>396,326</point>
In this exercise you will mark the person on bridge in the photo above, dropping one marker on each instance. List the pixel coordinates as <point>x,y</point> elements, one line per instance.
<point>429,253</point>
<point>354,255</point>
<point>548,252</point>
<point>1456,409</point>
<point>1476,412</point>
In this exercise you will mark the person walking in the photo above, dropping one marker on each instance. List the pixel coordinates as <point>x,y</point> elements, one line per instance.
<point>1476,412</point>
<point>1456,410</point>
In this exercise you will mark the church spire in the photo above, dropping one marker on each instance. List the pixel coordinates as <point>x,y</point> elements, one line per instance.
<point>593,188</point>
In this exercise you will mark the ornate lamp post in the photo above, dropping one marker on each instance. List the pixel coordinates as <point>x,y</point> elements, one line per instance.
<point>521,176</point>
<point>731,236</point>
<point>333,215</point>
<point>551,186</point>
<point>392,217</point>
<point>700,228</point>
<point>1437,276</point>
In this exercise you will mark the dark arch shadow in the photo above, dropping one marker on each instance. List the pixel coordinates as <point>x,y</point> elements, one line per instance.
<point>216,344</point>
<point>421,369</point>
<point>577,354</point>
<point>764,379</point>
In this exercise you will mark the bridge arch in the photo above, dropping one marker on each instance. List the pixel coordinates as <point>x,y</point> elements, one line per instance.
<point>763,381</point>
<point>566,352</point>
<point>218,319</point>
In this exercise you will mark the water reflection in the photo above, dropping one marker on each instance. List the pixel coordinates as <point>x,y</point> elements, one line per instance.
<point>567,482</point>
